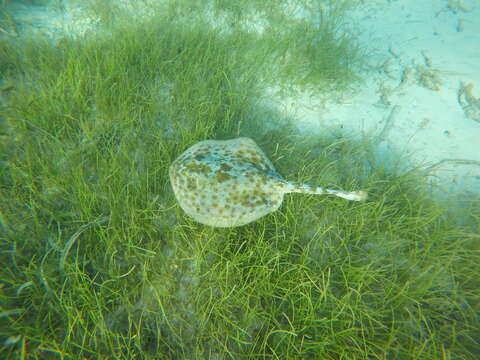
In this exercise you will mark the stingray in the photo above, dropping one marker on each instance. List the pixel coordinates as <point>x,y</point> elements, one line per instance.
<point>227,183</point>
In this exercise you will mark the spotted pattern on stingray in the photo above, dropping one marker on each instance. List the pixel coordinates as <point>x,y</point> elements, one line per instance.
<point>226,183</point>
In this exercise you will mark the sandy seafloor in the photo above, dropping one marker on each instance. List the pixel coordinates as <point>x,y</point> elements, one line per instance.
<point>421,105</point>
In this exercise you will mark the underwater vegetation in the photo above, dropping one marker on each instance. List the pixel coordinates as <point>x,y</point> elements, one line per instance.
<point>98,261</point>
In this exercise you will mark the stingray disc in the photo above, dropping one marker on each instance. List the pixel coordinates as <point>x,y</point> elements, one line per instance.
<point>226,183</point>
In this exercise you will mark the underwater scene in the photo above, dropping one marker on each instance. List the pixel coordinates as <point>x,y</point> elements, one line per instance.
<point>226,179</point>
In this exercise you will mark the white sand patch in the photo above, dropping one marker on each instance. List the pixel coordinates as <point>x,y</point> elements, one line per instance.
<point>59,18</point>
<point>410,106</point>
<point>54,20</point>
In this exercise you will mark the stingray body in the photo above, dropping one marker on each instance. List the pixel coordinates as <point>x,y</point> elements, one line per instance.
<point>227,183</point>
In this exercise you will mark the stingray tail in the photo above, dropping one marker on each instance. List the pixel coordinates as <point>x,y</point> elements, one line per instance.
<point>318,190</point>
